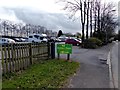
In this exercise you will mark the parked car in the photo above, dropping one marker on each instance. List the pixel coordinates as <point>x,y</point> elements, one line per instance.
<point>73,42</point>
<point>63,38</point>
<point>79,40</point>
<point>111,39</point>
<point>51,39</point>
<point>58,40</point>
<point>6,41</point>
<point>17,40</point>
<point>26,39</point>
<point>37,38</point>
<point>22,39</point>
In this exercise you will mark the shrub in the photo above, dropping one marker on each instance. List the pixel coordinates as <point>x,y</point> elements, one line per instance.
<point>97,41</point>
<point>92,43</point>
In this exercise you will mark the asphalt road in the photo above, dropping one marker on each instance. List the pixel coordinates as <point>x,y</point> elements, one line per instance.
<point>92,73</point>
<point>114,62</point>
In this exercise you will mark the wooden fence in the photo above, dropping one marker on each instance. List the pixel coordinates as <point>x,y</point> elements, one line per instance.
<point>16,57</point>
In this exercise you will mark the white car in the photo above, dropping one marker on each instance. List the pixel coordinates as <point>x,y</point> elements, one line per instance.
<point>37,38</point>
<point>58,40</point>
<point>63,38</point>
<point>22,39</point>
<point>6,40</point>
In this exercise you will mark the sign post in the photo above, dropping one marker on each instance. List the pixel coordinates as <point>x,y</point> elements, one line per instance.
<point>58,56</point>
<point>64,49</point>
<point>68,56</point>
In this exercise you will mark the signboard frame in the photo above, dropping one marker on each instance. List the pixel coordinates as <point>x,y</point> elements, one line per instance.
<point>64,49</point>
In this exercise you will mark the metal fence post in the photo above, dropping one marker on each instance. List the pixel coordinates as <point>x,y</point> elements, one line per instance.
<point>48,45</point>
<point>30,53</point>
<point>53,50</point>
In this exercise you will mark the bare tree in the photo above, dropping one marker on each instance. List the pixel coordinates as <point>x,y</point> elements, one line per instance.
<point>4,26</point>
<point>27,28</point>
<point>78,35</point>
<point>73,7</point>
<point>107,10</point>
<point>106,21</point>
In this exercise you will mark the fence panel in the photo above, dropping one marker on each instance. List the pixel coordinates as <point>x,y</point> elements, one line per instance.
<point>16,57</point>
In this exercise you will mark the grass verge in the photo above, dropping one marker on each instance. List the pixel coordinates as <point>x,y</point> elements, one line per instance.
<point>49,74</point>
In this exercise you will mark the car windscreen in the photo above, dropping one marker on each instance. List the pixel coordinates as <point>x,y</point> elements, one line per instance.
<point>41,38</point>
<point>36,36</point>
<point>3,40</point>
<point>30,36</point>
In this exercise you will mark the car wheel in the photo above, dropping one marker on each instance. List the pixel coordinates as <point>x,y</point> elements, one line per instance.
<point>77,44</point>
<point>74,44</point>
<point>42,41</point>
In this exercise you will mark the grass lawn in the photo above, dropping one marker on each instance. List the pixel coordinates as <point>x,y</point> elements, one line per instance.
<point>49,74</point>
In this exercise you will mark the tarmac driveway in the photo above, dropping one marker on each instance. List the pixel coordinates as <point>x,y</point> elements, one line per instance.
<point>92,73</point>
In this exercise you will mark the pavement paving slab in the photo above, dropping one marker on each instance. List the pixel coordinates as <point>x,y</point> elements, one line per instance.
<point>114,64</point>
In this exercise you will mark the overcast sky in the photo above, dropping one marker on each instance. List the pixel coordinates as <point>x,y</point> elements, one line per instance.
<point>47,13</point>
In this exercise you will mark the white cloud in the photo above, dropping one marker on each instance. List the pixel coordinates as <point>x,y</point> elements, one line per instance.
<point>9,15</point>
<point>37,6</point>
<point>45,5</point>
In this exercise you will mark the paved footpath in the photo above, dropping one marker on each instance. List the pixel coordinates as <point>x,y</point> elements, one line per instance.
<point>114,64</point>
<point>92,73</point>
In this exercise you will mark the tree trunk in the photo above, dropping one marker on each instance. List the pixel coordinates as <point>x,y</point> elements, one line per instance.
<point>91,21</point>
<point>98,18</point>
<point>95,22</point>
<point>87,21</point>
<point>83,37</point>
<point>82,21</point>
<point>4,24</point>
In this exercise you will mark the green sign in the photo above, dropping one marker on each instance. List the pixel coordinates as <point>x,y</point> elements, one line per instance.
<point>64,48</point>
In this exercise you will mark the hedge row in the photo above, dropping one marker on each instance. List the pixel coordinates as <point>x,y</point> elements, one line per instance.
<point>92,43</point>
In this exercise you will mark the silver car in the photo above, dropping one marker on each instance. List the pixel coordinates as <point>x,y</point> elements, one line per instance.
<point>6,40</point>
